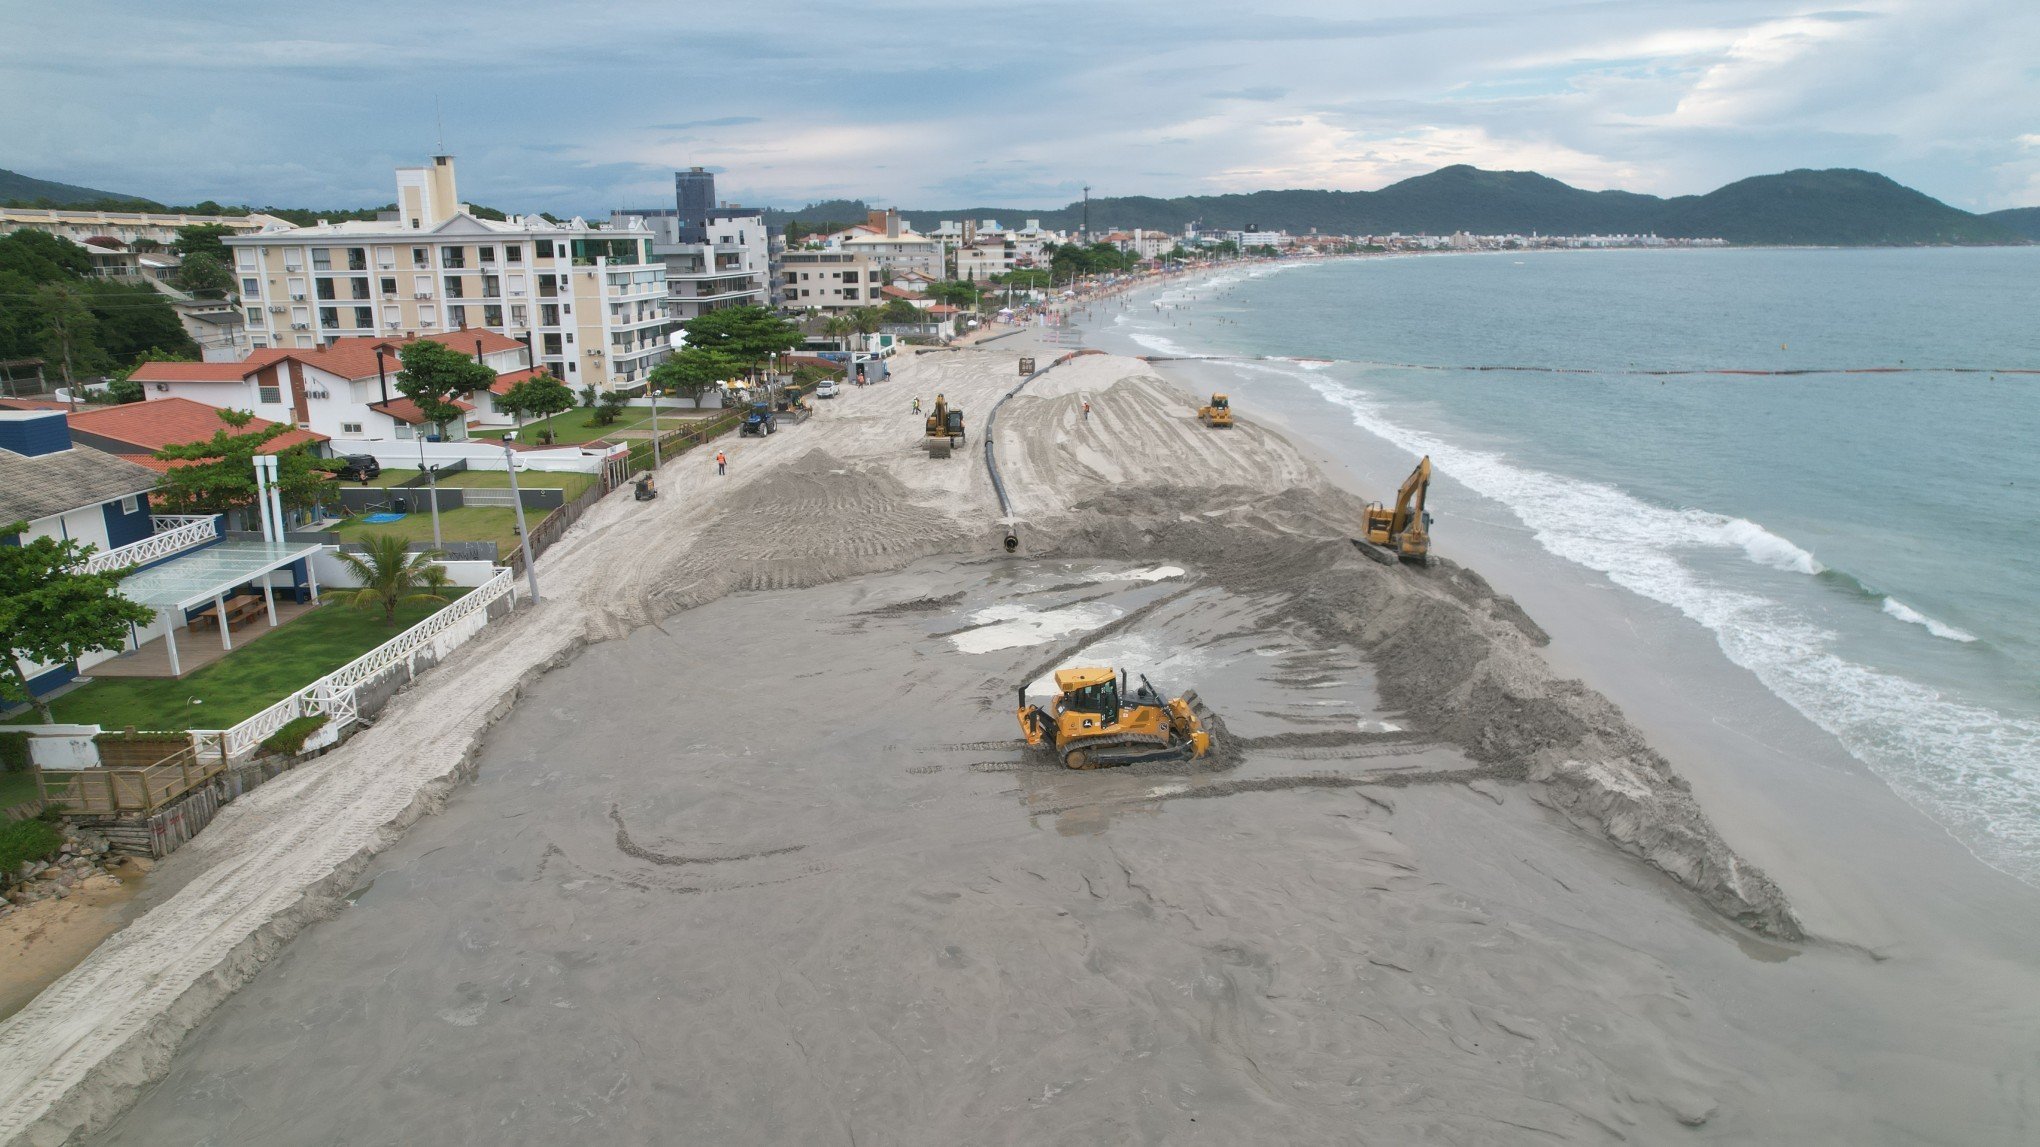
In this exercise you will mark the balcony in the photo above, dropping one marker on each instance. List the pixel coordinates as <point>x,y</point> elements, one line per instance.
<point>174,534</point>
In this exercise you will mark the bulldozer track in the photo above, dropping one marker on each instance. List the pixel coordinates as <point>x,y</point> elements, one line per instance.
<point>1092,749</point>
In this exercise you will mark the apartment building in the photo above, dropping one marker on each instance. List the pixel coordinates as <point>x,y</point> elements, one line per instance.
<point>895,248</point>
<point>127,227</point>
<point>829,280</point>
<point>715,255</point>
<point>591,299</point>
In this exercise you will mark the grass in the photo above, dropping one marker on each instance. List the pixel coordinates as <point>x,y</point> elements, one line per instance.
<point>18,788</point>
<point>244,682</point>
<point>572,483</point>
<point>576,427</point>
<point>25,840</point>
<point>496,524</point>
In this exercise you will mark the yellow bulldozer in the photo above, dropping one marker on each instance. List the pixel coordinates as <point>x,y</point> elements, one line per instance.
<point>1093,722</point>
<point>944,429</point>
<point>1217,413</point>
<point>1404,533</point>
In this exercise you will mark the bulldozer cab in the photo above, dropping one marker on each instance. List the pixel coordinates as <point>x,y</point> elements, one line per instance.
<point>1090,691</point>
<point>1220,402</point>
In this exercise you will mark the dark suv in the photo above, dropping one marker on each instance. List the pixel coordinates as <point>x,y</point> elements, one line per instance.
<point>359,467</point>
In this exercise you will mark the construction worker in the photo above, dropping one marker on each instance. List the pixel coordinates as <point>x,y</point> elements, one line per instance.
<point>917,410</point>
<point>1087,410</point>
<point>722,464</point>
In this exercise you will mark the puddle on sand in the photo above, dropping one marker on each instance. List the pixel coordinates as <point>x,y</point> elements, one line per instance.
<point>1012,626</point>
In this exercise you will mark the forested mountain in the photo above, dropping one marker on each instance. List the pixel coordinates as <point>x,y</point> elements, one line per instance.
<point>18,188</point>
<point>2024,220</point>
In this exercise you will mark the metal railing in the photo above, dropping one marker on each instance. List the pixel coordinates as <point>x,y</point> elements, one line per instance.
<point>174,535</point>
<point>334,694</point>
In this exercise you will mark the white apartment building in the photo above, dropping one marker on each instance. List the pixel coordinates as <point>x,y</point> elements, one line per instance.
<point>129,227</point>
<point>985,257</point>
<point>592,300</point>
<point>715,255</point>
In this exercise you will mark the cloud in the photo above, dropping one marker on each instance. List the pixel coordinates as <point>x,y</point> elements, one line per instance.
<point>903,101</point>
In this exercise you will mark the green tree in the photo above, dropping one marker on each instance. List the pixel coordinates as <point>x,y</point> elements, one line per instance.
<point>749,335</point>
<point>204,276</point>
<point>204,239</point>
<point>957,293</point>
<point>391,576</point>
<point>610,408</point>
<point>70,333</point>
<point>865,320</point>
<point>540,396</point>
<point>52,614</point>
<point>219,474</point>
<point>693,370</point>
<point>901,311</point>
<point>435,374</point>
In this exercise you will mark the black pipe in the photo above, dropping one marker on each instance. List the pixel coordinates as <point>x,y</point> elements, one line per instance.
<point>382,378</point>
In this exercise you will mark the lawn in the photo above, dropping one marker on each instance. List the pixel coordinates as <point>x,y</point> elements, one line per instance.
<point>496,524</point>
<point>244,682</point>
<point>572,483</point>
<point>573,427</point>
<point>18,788</point>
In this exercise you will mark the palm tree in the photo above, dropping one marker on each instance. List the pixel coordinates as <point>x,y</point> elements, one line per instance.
<point>390,576</point>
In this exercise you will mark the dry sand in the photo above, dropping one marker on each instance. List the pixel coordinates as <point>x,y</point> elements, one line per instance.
<point>770,867</point>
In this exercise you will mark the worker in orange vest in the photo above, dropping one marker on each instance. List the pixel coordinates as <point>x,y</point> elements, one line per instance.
<point>721,464</point>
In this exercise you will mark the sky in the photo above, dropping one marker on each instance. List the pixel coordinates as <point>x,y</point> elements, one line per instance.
<point>577,108</point>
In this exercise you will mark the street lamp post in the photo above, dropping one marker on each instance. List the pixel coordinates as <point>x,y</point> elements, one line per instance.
<point>657,460</point>
<point>523,537</point>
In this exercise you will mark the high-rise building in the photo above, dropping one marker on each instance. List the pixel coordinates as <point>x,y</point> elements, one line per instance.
<point>694,195</point>
<point>590,300</point>
<point>715,255</point>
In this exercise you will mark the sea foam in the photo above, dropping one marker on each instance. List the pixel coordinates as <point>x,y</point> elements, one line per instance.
<point>1975,770</point>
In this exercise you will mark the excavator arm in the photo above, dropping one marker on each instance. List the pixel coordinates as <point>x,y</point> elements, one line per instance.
<point>1409,501</point>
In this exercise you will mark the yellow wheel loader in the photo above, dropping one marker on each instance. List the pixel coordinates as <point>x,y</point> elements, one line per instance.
<point>1404,533</point>
<point>944,429</point>
<point>1093,722</point>
<point>1218,413</point>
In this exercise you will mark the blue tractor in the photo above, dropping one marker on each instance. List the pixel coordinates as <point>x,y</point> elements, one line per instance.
<point>761,421</point>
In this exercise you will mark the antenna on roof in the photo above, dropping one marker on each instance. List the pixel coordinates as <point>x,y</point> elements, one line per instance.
<point>439,116</point>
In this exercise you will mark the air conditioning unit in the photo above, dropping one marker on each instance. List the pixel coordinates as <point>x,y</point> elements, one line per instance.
<point>300,326</point>
<point>276,310</point>
<point>297,298</point>
<point>421,294</point>
<point>394,321</point>
<point>163,386</point>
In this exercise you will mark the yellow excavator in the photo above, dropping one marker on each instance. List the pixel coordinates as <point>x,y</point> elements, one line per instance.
<point>944,429</point>
<point>1404,533</point>
<point>1093,722</point>
<point>1218,413</point>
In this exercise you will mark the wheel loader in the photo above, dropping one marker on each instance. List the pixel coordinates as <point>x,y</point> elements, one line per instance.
<point>944,430</point>
<point>1093,722</point>
<point>1404,533</point>
<point>1217,413</point>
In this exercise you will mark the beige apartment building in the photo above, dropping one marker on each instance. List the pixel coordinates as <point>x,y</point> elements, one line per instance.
<point>129,227</point>
<point>830,280</point>
<point>590,300</point>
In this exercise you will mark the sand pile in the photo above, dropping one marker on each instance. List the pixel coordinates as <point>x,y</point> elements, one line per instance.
<point>1456,659</point>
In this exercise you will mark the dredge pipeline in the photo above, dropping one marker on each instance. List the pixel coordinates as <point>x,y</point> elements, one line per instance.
<point>992,454</point>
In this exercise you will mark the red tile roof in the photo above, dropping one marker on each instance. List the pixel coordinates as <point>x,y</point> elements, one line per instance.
<point>349,358</point>
<point>508,379</point>
<point>893,292</point>
<point>32,404</point>
<point>146,427</point>
<point>943,309</point>
<point>405,410</point>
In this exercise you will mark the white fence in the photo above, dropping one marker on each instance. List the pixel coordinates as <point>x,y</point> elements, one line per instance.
<point>479,454</point>
<point>174,533</point>
<point>335,694</point>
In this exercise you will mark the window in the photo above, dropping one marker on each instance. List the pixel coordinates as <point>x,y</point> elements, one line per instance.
<point>517,315</point>
<point>453,258</point>
<point>544,248</point>
<point>849,292</point>
<point>322,258</point>
<point>571,369</point>
<point>364,317</point>
<point>350,428</point>
<point>389,285</point>
<point>420,257</point>
<point>251,288</point>
<point>513,254</point>
<point>550,344</point>
<point>325,287</point>
<point>254,316</point>
<point>421,285</point>
<point>269,394</point>
<point>329,316</point>
<point>385,258</point>
<point>428,315</point>
<point>244,259</point>
<point>548,314</point>
<point>492,316</point>
<point>357,288</point>
<point>487,254</point>
<point>455,289</point>
<point>849,276</point>
<point>357,258</point>
<point>492,287</point>
<point>132,504</point>
<point>456,316</point>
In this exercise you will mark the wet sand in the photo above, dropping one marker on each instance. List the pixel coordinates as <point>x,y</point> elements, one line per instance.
<point>766,864</point>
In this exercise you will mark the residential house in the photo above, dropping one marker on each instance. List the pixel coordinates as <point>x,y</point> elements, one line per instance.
<point>346,390</point>
<point>592,300</point>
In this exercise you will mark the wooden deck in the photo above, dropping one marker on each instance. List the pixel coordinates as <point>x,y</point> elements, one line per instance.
<point>196,648</point>
<point>137,790</point>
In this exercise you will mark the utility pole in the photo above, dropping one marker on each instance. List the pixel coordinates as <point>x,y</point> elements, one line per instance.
<point>523,537</point>
<point>1087,214</point>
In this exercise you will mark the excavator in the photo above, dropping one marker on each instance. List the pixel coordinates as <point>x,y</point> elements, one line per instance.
<point>1404,533</point>
<point>1218,413</point>
<point>1093,722</point>
<point>944,429</point>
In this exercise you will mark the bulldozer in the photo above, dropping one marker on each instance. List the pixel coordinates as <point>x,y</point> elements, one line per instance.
<point>1217,413</point>
<point>1404,533</point>
<point>1093,722</point>
<point>944,429</point>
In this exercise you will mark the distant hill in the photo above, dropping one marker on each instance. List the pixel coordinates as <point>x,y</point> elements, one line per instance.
<point>1839,207</point>
<point>18,188</point>
<point>2024,220</point>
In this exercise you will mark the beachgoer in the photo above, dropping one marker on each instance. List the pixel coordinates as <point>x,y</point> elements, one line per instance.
<point>721,464</point>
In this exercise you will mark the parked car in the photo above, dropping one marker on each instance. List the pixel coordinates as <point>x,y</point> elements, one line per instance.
<point>359,467</point>
<point>826,388</point>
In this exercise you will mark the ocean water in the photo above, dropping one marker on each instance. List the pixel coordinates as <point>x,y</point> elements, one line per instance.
<point>1866,544</point>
